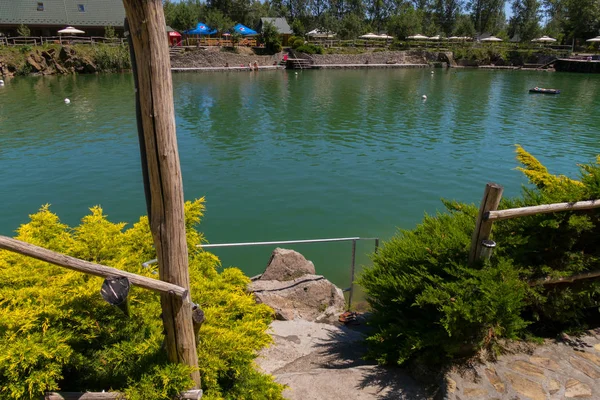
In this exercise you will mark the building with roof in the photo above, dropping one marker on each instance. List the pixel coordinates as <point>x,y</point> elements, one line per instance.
<point>282,27</point>
<point>46,17</point>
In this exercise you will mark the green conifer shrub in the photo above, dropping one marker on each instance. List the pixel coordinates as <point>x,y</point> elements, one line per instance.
<point>428,303</point>
<point>56,332</point>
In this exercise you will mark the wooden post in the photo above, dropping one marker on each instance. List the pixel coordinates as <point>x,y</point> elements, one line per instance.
<point>483,226</point>
<point>147,28</point>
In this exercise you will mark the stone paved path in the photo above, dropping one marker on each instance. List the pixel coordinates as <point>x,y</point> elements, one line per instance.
<point>321,361</point>
<point>565,369</point>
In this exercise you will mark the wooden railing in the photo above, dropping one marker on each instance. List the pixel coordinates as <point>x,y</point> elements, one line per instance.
<point>489,213</point>
<point>435,44</point>
<point>42,40</point>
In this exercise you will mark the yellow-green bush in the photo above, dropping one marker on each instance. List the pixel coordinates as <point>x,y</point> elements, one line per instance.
<point>56,332</point>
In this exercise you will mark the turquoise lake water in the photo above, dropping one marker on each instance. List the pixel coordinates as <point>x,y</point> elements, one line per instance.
<point>280,156</point>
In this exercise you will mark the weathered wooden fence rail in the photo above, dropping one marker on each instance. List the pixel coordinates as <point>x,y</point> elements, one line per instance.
<point>489,213</point>
<point>90,268</point>
<point>42,40</point>
<point>542,209</point>
<point>189,395</point>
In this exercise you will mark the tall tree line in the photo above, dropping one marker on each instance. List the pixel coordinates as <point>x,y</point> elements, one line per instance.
<point>563,19</point>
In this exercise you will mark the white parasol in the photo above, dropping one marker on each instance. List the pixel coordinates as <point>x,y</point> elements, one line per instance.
<point>418,37</point>
<point>70,30</point>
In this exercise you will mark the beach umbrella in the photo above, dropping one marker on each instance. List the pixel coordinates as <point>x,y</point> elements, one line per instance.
<point>593,40</point>
<point>317,33</point>
<point>437,37</point>
<point>384,36</point>
<point>70,30</point>
<point>491,39</point>
<point>418,37</point>
<point>544,39</point>
<point>244,30</point>
<point>370,36</point>
<point>201,29</point>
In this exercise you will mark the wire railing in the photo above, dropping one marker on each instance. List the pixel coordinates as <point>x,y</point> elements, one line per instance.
<point>354,240</point>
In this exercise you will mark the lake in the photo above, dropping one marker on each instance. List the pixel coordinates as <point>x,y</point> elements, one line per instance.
<point>281,156</point>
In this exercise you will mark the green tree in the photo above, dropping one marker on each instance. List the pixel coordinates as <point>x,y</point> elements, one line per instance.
<point>351,26</point>
<point>582,18</point>
<point>185,14</point>
<point>109,32</point>
<point>487,14</point>
<point>525,21</point>
<point>270,37</point>
<point>406,23</point>
<point>446,14</point>
<point>217,20</point>
<point>464,26</point>
<point>298,28</point>
<point>23,30</point>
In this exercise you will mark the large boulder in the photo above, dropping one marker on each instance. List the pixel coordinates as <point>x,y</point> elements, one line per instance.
<point>285,265</point>
<point>309,297</point>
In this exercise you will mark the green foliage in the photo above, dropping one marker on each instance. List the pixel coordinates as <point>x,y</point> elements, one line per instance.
<point>109,32</point>
<point>107,58</point>
<point>310,48</point>
<point>217,20</point>
<point>56,332</point>
<point>297,43</point>
<point>525,21</point>
<point>428,302</point>
<point>270,37</point>
<point>298,28</point>
<point>405,24</point>
<point>23,30</point>
<point>464,27</point>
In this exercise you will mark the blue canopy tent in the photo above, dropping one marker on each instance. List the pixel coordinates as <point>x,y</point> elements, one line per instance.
<point>201,29</point>
<point>244,30</point>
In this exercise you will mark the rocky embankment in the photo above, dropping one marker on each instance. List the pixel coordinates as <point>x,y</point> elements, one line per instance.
<point>218,57</point>
<point>51,62</point>
<point>383,57</point>
<point>57,59</point>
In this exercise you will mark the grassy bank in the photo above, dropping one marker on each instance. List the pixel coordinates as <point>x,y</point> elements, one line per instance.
<point>52,59</point>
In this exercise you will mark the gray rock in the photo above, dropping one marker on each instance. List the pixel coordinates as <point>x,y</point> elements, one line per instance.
<point>285,265</point>
<point>310,297</point>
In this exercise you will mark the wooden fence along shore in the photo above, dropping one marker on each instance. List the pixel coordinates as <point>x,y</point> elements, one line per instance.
<point>437,45</point>
<point>62,40</point>
<point>482,246</point>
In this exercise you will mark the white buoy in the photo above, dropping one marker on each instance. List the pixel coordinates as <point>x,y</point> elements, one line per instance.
<point>424,97</point>
<point>296,73</point>
<point>67,101</point>
<point>1,82</point>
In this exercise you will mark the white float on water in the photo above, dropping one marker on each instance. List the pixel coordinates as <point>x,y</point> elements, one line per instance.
<point>424,97</point>
<point>432,72</point>
<point>1,82</point>
<point>67,101</point>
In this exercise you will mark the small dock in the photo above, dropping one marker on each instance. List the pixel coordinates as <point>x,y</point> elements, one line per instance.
<point>226,69</point>
<point>368,66</point>
<point>574,65</point>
